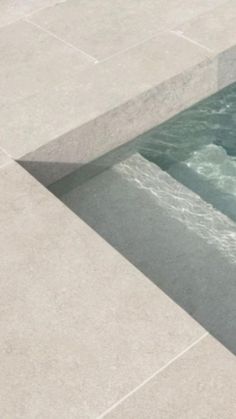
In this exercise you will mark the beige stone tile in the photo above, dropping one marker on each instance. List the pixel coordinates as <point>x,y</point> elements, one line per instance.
<point>37,73</point>
<point>200,384</point>
<point>4,158</point>
<point>106,27</point>
<point>48,89</point>
<point>169,55</point>
<point>80,326</point>
<point>33,121</point>
<point>12,10</point>
<point>117,115</point>
<point>215,30</point>
<point>33,62</point>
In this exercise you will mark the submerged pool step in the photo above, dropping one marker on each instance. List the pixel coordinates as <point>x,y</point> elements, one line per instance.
<point>179,241</point>
<point>201,185</point>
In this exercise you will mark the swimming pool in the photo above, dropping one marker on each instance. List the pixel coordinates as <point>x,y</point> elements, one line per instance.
<point>167,202</point>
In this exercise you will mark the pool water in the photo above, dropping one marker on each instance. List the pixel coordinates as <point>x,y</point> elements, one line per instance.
<point>167,202</point>
<point>198,148</point>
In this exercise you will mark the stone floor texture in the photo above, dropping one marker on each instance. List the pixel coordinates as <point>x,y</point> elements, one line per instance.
<point>85,334</point>
<point>113,70</point>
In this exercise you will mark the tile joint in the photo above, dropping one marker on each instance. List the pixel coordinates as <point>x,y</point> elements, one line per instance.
<point>180,34</point>
<point>5,152</point>
<point>188,348</point>
<point>88,56</point>
<point>130,47</point>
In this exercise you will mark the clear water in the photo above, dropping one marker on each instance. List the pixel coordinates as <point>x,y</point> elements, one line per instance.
<point>197,148</point>
<point>167,202</point>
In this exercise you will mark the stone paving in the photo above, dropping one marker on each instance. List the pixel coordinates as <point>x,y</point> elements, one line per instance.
<point>84,334</point>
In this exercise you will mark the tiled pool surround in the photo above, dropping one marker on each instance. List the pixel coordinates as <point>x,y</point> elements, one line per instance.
<point>75,314</point>
<point>128,118</point>
<point>108,103</point>
<point>197,147</point>
<point>183,244</point>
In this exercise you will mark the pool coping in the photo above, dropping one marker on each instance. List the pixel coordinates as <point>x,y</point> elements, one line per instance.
<point>52,260</point>
<point>122,123</point>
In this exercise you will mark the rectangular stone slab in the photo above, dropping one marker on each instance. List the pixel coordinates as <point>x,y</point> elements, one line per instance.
<point>200,384</point>
<point>77,93</point>
<point>80,326</point>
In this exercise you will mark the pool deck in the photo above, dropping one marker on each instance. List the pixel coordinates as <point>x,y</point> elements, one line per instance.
<point>84,333</point>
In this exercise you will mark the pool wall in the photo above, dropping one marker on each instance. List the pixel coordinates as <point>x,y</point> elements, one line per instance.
<point>122,123</point>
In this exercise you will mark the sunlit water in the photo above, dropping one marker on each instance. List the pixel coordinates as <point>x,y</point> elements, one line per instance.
<point>181,204</point>
<point>197,148</point>
<point>167,202</point>
<point>213,163</point>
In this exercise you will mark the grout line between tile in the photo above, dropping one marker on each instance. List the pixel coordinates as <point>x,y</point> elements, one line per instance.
<point>180,34</point>
<point>129,48</point>
<point>5,152</point>
<point>6,164</point>
<point>173,32</point>
<point>104,414</point>
<point>90,57</point>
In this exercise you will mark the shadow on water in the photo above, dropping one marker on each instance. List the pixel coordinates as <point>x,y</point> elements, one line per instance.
<point>176,239</point>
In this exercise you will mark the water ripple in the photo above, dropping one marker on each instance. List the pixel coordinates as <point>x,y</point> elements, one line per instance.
<point>182,204</point>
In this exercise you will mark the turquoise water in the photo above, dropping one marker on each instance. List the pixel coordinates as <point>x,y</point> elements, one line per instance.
<point>197,148</point>
<point>167,202</point>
